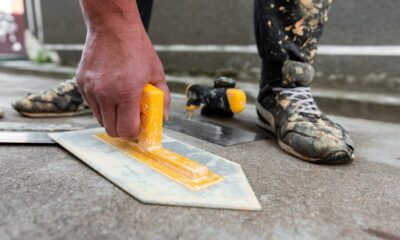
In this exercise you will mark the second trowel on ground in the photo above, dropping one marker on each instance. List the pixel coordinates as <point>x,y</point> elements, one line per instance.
<point>223,101</point>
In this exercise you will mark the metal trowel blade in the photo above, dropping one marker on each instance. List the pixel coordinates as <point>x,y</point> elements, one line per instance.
<point>212,132</point>
<point>11,137</point>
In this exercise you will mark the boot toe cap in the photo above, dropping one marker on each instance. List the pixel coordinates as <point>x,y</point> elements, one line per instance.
<point>325,149</point>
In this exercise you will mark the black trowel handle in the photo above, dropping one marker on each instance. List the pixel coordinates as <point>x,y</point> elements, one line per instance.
<point>219,100</point>
<point>224,82</point>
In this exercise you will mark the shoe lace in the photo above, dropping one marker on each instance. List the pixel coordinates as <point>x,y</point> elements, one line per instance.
<point>301,99</point>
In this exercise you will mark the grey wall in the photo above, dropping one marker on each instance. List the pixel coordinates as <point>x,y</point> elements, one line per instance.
<point>202,22</point>
<point>63,22</point>
<point>363,22</point>
<point>221,22</point>
<point>352,22</point>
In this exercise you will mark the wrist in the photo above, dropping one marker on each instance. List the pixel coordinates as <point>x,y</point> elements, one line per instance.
<point>115,23</point>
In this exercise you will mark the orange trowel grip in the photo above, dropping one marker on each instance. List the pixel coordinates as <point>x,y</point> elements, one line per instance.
<point>149,150</point>
<point>151,117</point>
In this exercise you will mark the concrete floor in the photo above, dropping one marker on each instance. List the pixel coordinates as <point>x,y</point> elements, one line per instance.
<point>46,193</point>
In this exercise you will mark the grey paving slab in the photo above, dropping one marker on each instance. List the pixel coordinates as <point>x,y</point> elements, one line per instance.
<point>46,193</point>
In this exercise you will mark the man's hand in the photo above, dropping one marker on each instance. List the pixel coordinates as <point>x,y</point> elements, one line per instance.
<point>117,62</point>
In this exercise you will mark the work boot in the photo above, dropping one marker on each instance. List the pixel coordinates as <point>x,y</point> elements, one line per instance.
<point>1,113</point>
<point>302,130</point>
<point>63,101</point>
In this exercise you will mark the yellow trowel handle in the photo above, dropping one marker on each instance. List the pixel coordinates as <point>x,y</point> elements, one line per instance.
<point>151,117</point>
<point>149,150</point>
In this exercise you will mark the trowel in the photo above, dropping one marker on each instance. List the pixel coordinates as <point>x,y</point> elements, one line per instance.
<point>220,101</point>
<point>33,133</point>
<point>159,169</point>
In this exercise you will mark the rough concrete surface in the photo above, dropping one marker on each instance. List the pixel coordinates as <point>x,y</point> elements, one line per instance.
<point>46,193</point>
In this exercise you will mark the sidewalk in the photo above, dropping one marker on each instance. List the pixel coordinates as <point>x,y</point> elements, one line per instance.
<point>363,103</point>
<point>48,193</point>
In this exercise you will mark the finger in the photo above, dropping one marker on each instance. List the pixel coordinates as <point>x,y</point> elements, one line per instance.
<point>108,114</point>
<point>167,97</point>
<point>79,83</point>
<point>91,100</point>
<point>128,120</point>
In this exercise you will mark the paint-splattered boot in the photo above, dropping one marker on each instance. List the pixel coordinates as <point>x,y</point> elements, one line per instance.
<point>290,112</point>
<point>63,101</point>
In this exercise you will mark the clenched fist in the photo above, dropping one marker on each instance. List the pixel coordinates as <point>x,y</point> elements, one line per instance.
<point>115,67</point>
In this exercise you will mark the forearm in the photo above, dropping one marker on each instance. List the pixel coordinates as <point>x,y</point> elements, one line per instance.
<point>111,15</point>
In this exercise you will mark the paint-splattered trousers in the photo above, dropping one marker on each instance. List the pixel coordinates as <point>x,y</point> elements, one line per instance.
<point>285,30</point>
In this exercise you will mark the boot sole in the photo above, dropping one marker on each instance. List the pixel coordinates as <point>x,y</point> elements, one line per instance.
<point>61,114</point>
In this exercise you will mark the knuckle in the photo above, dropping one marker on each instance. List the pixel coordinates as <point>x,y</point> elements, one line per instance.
<point>158,72</point>
<point>159,75</point>
<point>126,95</point>
<point>100,91</point>
<point>80,80</point>
<point>88,91</point>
